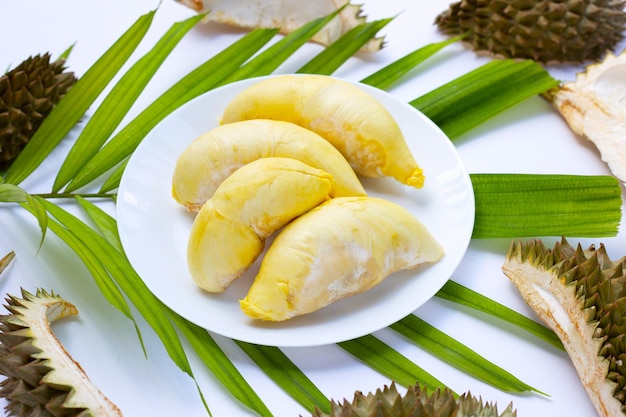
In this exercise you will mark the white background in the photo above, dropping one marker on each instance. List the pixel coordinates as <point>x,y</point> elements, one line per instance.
<point>530,138</point>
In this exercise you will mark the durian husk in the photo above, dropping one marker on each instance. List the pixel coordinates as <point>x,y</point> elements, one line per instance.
<point>6,261</point>
<point>28,93</point>
<point>416,402</point>
<point>286,15</point>
<point>42,380</point>
<point>581,295</point>
<point>547,31</point>
<point>594,107</point>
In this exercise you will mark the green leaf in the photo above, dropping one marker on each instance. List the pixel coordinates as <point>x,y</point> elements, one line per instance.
<point>76,102</point>
<point>219,364</point>
<point>459,294</point>
<point>455,353</point>
<point>105,223</point>
<point>119,101</point>
<point>383,358</point>
<point>475,97</point>
<point>10,193</point>
<point>334,55</point>
<point>389,75</point>
<point>130,283</point>
<point>287,375</point>
<point>530,205</point>
<point>91,259</point>
<point>197,82</point>
<point>270,59</point>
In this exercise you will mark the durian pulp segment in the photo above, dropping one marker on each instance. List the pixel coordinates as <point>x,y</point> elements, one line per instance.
<point>34,313</point>
<point>213,156</point>
<point>354,121</point>
<point>594,106</point>
<point>342,247</point>
<point>262,196</point>
<point>530,268</point>
<point>288,15</point>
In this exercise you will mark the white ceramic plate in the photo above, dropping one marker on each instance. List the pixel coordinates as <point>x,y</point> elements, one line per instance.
<point>154,231</point>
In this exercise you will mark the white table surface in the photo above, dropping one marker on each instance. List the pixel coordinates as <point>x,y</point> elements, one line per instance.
<point>529,138</point>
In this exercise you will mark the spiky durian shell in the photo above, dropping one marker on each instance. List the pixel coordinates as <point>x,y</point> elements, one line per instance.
<point>581,295</point>
<point>544,30</point>
<point>416,402</point>
<point>28,93</point>
<point>42,380</point>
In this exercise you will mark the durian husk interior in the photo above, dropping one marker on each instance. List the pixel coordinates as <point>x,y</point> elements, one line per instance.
<point>415,402</point>
<point>42,380</point>
<point>581,295</point>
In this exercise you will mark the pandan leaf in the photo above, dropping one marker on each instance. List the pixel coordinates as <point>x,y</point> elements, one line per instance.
<point>383,358</point>
<point>334,55</point>
<point>105,223</point>
<point>455,353</point>
<point>128,281</point>
<point>10,193</point>
<point>475,97</point>
<point>459,294</point>
<point>287,375</point>
<point>197,82</point>
<point>219,364</point>
<point>76,102</point>
<point>119,101</point>
<point>389,75</point>
<point>524,205</point>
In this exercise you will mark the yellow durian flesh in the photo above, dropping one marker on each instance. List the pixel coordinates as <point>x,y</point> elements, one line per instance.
<point>216,154</point>
<point>354,121</point>
<point>344,246</point>
<point>228,233</point>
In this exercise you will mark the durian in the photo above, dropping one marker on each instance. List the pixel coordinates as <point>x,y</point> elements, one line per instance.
<point>42,379</point>
<point>416,402</point>
<point>340,248</point>
<point>594,106</point>
<point>6,260</point>
<point>287,15</point>
<point>216,154</point>
<point>546,31</point>
<point>581,295</point>
<point>28,93</point>
<point>229,232</point>
<point>351,119</point>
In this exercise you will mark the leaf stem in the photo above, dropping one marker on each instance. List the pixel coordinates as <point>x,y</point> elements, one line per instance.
<point>49,196</point>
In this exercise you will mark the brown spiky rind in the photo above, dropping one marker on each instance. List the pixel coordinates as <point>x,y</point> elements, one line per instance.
<point>28,93</point>
<point>416,402</point>
<point>42,380</point>
<point>581,295</point>
<point>546,31</point>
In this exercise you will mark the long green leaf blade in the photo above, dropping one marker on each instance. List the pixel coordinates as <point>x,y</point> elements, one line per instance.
<point>457,354</point>
<point>130,283</point>
<point>105,223</point>
<point>92,262</point>
<point>197,82</point>
<point>270,59</point>
<point>461,295</point>
<point>219,364</point>
<point>117,103</point>
<point>76,102</point>
<point>528,205</point>
<point>392,73</point>
<point>334,55</point>
<point>389,362</point>
<point>475,97</point>
<point>287,375</point>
